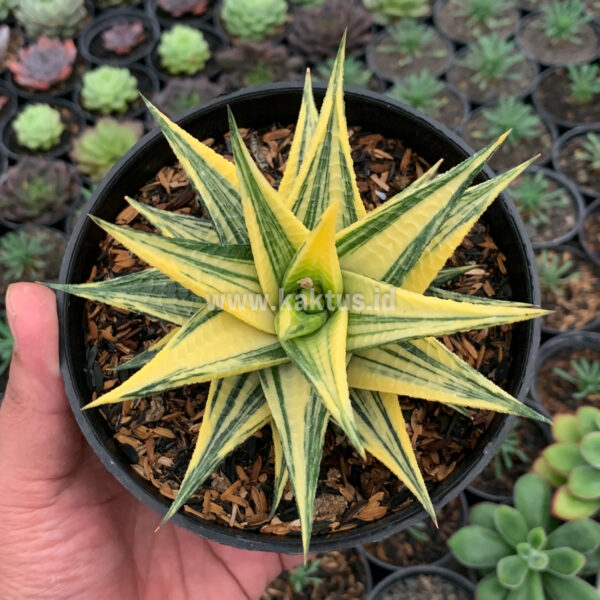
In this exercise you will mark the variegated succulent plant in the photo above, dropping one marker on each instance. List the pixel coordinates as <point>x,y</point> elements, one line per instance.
<point>300,308</point>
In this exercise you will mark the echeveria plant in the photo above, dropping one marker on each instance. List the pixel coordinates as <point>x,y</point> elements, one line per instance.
<point>318,307</point>
<point>522,552</point>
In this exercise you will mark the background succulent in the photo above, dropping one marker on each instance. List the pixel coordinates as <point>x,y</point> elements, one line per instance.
<point>590,151</point>
<point>255,63</point>
<point>585,376</point>
<point>572,464</point>
<point>355,72</point>
<point>490,14</point>
<point>412,39</point>
<point>43,64</point>
<point>528,555</point>
<point>181,95</point>
<point>584,82</point>
<point>421,91</point>
<point>6,7</point>
<point>555,271</point>
<point>562,20</point>
<point>53,18</point>
<point>316,30</point>
<point>388,11</point>
<point>98,148</point>
<point>122,38</point>
<point>38,127</point>
<point>6,344</point>
<point>109,90</point>
<point>22,255</point>
<point>253,19</point>
<point>38,190</point>
<point>183,50</point>
<point>178,8</point>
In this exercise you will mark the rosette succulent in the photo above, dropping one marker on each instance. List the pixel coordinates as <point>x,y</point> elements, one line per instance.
<point>183,50</point>
<point>43,64</point>
<point>98,148</point>
<point>178,8</point>
<point>38,127</point>
<point>181,95</point>
<point>253,19</point>
<point>122,38</point>
<point>52,18</point>
<point>356,71</point>
<point>572,464</point>
<point>522,551</point>
<point>295,282</point>
<point>109,90</point>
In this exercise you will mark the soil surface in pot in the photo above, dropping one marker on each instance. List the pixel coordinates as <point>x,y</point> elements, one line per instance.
<point>158,433</point>
<point>462,78</point>
<point>556,393</point>
<point>395,65</point>
<point>508,156</point>
<point>577,302</point>
<point>580,171</point>
<point>342,577</point>
<point>591,233</point>
<point>533,40</point>
<point>425,587</point>
<point>460,28</point>
<point>499,478</point>
<point>554,94</point>
<point>423,543</point>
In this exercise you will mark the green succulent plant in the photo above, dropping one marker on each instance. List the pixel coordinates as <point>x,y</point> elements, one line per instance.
<point>355,71</point>
<point>510,114</point>
<point>590,151</point>
<point>183,50</point>
<point>491,59</point>
<point>52,18</point>
<point>555,271</point>
<point>109,90</point>
<point>584,82</point>
<point>38,127</point>
<point>6,7</point>
<point>585,377</point>
<point>253,19</point>
<point>421,91</point>
<point>181,95</point>
<point>562,21</point>
<point>535,199</point>
<point>412,39</point>
<point>22,255</point>
<point>572,464</point>
<point>304,575</point>
<point>419,532</point>
<point>6,344</point>
<point>510,452</point>
<point>521,550</point>
<point>291,289</point>
<point>389,11</point>
<point>490,13</point>
<point>98,148</point>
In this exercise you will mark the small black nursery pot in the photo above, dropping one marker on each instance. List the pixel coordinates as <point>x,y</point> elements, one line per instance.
<point>589,233</point>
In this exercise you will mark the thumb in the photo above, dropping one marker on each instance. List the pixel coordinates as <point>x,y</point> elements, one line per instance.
<point>39,439</point>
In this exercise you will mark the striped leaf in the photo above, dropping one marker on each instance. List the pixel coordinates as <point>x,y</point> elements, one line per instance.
<point>317,259</point>
<point>327,173</point>
<point>212,176</point>
<point>223,275</point>
<point>383,430</point>
<point>448,295</point>
<point>281,473</point>
<point>452,230</point>
<point>301,420</point>
<point>139,360</point>
<point>275,233</point>
<point>235,410</point>
<point>450,274</point>
<point>321,356</point>
<point>386,314</point>
<point>175,225</point>
<point>426,369</point>
<point>212,344</point>
<point>147,292</point>
<point>305,128</point>
<point>389,241</point>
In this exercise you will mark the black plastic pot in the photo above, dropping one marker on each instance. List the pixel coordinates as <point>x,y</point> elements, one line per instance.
<point>75,123</point>
<point>541,109</point>
<point>10,108</point>
<point>167,20</point>
<point>577,340</point>
<point>592,208</point>
<point>564,139</point>
<point>259,107</point>
<point>458,580</point>
<point>148,85</point>
<point>440,562</point>
<point>90,40</point>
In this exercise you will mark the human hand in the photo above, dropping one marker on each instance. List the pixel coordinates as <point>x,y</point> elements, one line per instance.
<point>68,529</point>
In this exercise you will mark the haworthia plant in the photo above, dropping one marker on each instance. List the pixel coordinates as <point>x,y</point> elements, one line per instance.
<point>300,308</point>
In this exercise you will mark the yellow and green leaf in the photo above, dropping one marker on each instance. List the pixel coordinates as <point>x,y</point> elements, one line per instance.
<point>140,359</point>
<point>281,472</point>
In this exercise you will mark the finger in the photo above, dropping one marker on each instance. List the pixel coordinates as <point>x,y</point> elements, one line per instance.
<point>38,435</point>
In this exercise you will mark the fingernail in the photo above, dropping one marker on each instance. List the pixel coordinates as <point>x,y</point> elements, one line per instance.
<point>11,315</point>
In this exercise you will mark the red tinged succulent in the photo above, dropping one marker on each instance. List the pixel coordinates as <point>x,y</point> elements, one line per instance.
<point>122,38</point>
<point>178,8</point>
<point>44,64</point>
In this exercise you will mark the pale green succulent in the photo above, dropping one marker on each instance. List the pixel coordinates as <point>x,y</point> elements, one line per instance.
<point>109,90</point>
<point>6,7</point>
<point>52,18</point>
<point>355,71</point>
<point>296,282</point>
<point>389,11</point>
<point>38,127</point>
<point>183,50</point>
<point>253,19</point>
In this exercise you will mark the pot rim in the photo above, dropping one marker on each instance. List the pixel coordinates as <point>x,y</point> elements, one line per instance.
<point>248,539</point>
<point>592,208</point>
